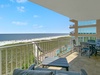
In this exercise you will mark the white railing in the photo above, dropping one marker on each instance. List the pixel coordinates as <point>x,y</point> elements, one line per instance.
<point>23,55</point>
<point>15,56</point>
<point>51,48</point>
<point>72,25</point>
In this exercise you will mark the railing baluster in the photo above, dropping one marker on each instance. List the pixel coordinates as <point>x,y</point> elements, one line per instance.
<point>16,56</point>
<point>6,63</point>
<point>20,59</point>
<point>24,58</point>
<point>36,53</point>
<point>0,62</point>
<point>11,61</point>
<point>25,53</point>
<point>33,46</point>
<point>28,54</point>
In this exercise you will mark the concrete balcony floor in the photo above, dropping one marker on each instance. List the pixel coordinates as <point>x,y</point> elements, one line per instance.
<point>77,62</point>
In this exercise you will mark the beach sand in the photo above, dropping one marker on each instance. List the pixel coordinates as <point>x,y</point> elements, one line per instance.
<point>30,40</point>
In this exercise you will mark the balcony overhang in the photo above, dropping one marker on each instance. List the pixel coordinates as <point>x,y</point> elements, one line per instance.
<point>74,9</point>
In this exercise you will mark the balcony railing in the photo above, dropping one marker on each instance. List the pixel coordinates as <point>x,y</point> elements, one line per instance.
<point>72,26</point>
<point>72,32</point>
<point>23,55</point>
<point>15,56</point>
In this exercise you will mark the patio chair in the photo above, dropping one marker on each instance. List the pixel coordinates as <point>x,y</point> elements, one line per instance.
<point>97,47</point>
<point>92,46</point>
<point>85,50</point>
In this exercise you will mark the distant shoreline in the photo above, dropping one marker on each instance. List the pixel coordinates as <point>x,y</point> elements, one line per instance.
<point>9,37</point>
<point>30,40</point>
<point>34,33</point>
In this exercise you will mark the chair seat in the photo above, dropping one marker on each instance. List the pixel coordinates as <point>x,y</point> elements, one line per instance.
<point>85,49</point>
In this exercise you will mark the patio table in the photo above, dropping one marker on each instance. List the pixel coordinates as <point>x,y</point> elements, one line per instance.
<point>56,61</point>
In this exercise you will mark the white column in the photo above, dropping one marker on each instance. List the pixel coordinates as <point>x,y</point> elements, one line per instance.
<point>35,51</point>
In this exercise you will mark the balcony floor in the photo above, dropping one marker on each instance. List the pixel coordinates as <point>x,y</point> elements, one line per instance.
<point>77,62</point>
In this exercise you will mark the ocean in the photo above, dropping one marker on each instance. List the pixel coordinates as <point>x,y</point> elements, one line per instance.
<point>10,37</point>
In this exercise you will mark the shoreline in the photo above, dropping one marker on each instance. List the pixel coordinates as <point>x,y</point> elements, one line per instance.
<point>30,40</point>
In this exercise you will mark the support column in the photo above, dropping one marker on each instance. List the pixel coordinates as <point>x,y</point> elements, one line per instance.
<point>76,32</point>
<point>98,29</point>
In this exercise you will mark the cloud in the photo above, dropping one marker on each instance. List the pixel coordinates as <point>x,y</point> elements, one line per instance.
<point>4,5</point>
<point>36,26</point>
<point>21,1</point>
<point>19,23</point>
<point>21,9</point>
<point>18,1</point>
<point>35,16</point>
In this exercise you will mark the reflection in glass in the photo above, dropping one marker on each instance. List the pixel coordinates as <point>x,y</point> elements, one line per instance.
<point>89,30</point>
<point>89,22</point>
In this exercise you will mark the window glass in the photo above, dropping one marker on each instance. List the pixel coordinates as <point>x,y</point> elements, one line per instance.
<point>89,22</point>
<point>89,30</point>
<point>85,39</point>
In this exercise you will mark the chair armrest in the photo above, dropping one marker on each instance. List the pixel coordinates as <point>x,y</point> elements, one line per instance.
<point>31,67</point>
<point>83,72</point>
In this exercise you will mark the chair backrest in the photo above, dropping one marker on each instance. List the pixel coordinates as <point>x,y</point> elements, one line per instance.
<point>83,72</point>
<point>98,42</point>
<point>84,45</point>
<point>91,41</point>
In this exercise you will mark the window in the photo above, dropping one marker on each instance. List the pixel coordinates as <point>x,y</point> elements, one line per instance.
<point>89,22</point>
<point>89,30</point>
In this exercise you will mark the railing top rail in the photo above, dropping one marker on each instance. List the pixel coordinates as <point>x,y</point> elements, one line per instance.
<point>41,41</point>
<point>34,42</point>
<point>16,44</point>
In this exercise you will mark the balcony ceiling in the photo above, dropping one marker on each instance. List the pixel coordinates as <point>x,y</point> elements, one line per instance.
<point>74,9</point>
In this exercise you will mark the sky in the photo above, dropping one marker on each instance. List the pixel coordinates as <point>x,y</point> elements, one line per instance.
<point>23,16</point>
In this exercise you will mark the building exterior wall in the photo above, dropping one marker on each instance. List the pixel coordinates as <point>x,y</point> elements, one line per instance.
<point>86,30</point>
